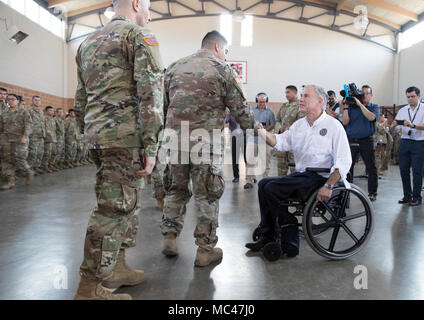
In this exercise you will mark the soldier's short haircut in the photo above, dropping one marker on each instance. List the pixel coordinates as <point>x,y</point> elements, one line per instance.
<point>331,93</point>
<point>48,107</point>
<point>291,87</point>
<point>70,110</point>
<point>15,95</point>
<point>35,97</point>
<point>117,2</point>
<point>413,89</point>
<point>3,89</point>
<point>213,37</point>
<point>57,109</point>
<point>20,99</point>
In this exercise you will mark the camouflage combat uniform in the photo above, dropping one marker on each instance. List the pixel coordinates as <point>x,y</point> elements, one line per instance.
<point>36,139</point>
<point>49,143</point>
<point>71,133</point>
<point>3,108</point>
<point>198,88</point>
<point>119,103</point>
<point>388,151</point>
<point>15,125</point>
<point>286,116</point>
<point>60,145</point>
<point>381,137</point>
<point>396,135</point>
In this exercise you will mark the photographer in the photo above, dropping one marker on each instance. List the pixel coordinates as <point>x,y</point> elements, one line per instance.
<point>359,120</point>
<point>411,151</point>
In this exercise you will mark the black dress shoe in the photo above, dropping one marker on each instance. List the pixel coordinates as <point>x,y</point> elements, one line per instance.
<point>236,180</point>
<point>414,203</point>
<point>404,200</point>
<point>258,245</point>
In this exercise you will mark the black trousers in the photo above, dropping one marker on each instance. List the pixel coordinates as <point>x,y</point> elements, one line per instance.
<point>273,190</point>
<point>367,152</point>
<point>238,143</point>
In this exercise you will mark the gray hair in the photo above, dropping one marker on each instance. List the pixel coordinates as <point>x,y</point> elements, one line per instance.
<point>115,3</point>
<point>320,92</point>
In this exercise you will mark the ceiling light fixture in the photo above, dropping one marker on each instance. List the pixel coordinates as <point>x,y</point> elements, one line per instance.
<point>238,15</point>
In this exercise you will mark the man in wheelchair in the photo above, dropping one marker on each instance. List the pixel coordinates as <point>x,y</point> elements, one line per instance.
<point>318,141</point>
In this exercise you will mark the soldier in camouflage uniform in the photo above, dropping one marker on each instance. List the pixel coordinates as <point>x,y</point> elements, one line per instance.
<point>71,134</point>
<point>50,141</point>
<point>60,136</point>
<point>381,137</point>
<point>3,108</point>
<point>396,135</point>
<point>198,88</point>
<point>15,128</point>
<point>36,139</point>
<point>158,191</point>
<point>286,116</point>
<point>119,103</point>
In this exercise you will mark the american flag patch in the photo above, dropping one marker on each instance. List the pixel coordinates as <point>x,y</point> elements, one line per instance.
<point>151,41</point>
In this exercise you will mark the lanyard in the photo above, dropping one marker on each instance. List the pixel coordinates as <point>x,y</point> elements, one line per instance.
<point>412,121</point>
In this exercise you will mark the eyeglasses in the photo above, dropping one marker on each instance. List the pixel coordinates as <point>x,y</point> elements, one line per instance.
<point>11,99</point>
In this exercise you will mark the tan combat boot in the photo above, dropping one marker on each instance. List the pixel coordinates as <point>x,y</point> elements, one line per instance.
<point>205,257</point>
<point>93,290</point>
<point>10,184</point>
<point>169,247</point>
<point>159,204</point>
<point>123,275</point>
<point>29,177</point>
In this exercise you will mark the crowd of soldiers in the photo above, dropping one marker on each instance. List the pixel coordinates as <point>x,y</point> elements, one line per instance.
<point>37,140</point>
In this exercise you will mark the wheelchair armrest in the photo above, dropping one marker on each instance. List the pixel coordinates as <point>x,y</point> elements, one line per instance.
<point>323,170</point>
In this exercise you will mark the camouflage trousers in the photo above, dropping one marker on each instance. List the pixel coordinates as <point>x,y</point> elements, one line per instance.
<point>158,192</point>
<point>70,150</point>
<point>15,158</point>
<point>380,150</point>
<point>60,151</point>
<point>283,160</point>
<point>113,224</point>
<point>80,150</point>
<point>36,152</point>
<point>396,146</point>
<point>49,153</point>
<point>208,187</point>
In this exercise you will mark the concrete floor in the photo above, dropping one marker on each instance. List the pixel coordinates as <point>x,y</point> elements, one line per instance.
<point>43,227</point>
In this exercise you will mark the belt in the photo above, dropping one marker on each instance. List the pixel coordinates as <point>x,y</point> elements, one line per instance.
<point>359,139</point>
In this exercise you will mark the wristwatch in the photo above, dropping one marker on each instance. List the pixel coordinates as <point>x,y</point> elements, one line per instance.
<point>329,186</point>
<point>413,126</point>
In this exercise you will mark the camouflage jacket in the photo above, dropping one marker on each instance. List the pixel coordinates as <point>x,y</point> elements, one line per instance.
<point>50,130</point>
<point>38,122</point>
<point>71,129</point>
<point>119,98</point>
<point>60,128</point>
<point>382,134</point>
<point>3,107</point>
<point>15,125</point>
<point>198,88</point>
<point>287,115</point>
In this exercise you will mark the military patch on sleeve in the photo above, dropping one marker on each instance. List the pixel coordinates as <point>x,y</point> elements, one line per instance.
<point>151,41</point>
<point>237,78</point>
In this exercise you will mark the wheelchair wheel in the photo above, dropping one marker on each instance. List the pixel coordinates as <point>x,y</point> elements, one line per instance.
<point>272,251</point>
<point>256,234</point>
<point>348,220</point>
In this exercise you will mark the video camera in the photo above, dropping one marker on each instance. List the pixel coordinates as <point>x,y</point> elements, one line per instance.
<point>350,91</point>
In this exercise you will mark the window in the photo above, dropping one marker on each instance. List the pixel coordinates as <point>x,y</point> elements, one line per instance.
<point>18,5</point>
<point>32,11</point>
<point>411,36</point>
<point>39,15</point>
<point>226,28</point>
<point>247,32</point>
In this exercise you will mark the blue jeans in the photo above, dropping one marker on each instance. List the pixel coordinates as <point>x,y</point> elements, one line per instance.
<point>411,154</point>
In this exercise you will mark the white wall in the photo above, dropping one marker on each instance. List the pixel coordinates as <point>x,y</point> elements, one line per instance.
<point>411,70</point>
<point>291,53</point>
<point>37,63</point>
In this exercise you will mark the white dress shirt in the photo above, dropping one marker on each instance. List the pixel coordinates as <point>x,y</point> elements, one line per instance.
<point>324,145</point>
<point>417,115</point>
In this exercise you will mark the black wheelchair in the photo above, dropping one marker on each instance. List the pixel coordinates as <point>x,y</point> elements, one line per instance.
<point>335,229</point>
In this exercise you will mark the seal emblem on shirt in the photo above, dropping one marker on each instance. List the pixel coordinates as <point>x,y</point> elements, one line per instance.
<point>323,132</point>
